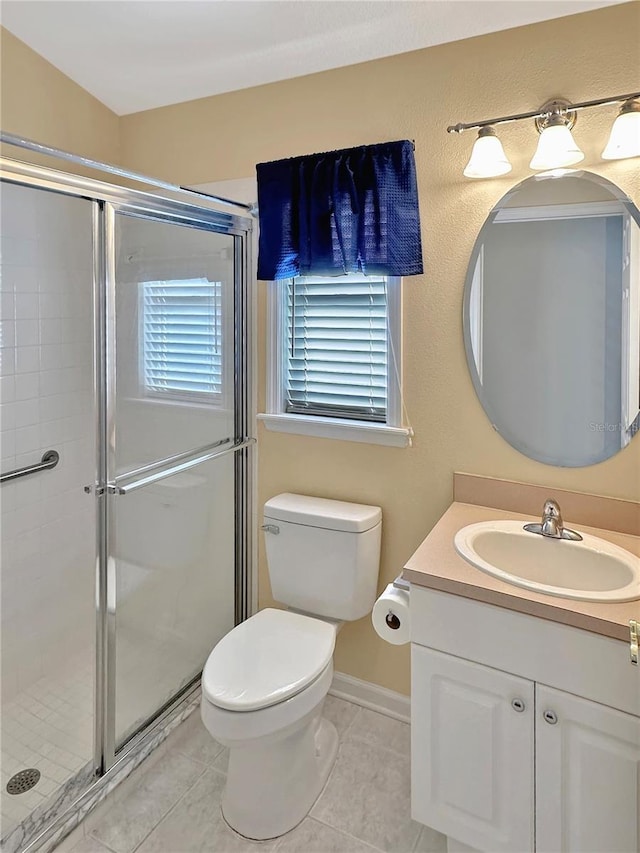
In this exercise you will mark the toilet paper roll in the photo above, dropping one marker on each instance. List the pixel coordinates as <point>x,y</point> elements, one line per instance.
<point>391,617</point>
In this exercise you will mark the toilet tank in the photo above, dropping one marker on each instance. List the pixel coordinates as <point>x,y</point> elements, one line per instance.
<point>323,555</point>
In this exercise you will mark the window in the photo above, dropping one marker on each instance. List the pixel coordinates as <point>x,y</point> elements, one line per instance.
<point>337,362</point>
<point>335,358</point>
<point>181,339</point>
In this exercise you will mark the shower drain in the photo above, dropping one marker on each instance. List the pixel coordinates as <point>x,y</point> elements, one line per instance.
<point>23,781</point>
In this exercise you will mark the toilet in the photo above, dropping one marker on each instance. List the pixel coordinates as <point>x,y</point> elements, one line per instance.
<point>264,684</point>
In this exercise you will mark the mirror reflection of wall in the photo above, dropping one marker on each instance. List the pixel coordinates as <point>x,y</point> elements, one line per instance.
<point>552,319</point>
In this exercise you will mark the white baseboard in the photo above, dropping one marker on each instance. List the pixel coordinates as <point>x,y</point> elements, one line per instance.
<point>371,696</point>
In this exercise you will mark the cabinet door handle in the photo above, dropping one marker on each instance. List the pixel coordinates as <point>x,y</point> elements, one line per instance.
<point>634,640</point>
<point>518,705</point>
<point>550,717</point>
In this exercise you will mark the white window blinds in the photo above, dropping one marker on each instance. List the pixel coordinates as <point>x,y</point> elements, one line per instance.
<point>337,347</point>
<point>181,337</point>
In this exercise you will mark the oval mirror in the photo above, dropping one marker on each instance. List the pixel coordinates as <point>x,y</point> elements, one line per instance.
<point>552,318</point>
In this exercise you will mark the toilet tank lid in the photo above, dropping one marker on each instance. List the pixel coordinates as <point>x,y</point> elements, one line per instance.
<point>322,512</point>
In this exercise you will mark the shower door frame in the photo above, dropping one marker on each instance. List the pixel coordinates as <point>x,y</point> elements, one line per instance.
<point>106,200</point>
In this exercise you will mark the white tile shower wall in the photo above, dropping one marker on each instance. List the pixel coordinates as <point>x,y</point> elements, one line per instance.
<point>47,522</point>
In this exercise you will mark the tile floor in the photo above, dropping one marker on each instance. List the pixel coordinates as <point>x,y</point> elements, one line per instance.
<point>48,726</point>
<point>171,803</point>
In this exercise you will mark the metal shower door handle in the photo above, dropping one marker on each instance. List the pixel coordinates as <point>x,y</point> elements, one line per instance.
<point>215,453</point>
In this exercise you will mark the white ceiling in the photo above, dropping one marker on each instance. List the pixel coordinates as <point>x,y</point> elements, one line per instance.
<point>138,54</point>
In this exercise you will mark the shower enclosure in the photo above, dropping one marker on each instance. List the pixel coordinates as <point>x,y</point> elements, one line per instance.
<point>124,349</point>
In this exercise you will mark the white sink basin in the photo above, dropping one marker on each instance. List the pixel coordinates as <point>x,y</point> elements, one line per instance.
<point>591,570</point>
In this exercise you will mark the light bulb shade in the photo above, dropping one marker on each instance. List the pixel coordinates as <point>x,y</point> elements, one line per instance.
<point>624,140</point>
<point>488,159</point>
<point>556,148</point>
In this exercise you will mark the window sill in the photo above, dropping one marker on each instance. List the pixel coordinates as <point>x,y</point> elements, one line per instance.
<point>195,405</point>
<point>344,430</point>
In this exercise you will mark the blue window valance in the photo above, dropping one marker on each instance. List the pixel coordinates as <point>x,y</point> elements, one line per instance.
<point>354,210</point>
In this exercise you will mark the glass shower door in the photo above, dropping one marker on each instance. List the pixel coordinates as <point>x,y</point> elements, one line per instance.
<point>171,412</point>
<point>48,523</point>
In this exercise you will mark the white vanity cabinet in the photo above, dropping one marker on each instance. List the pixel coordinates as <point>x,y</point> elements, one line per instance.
<point>587,775</point>
<point>525,732</point>
<point>472,751</point>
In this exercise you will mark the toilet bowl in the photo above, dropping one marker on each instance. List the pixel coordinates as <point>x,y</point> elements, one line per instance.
<point>263,690</point>
<point>264,684</point>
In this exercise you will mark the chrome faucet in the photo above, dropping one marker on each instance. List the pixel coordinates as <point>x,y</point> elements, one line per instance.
<point>551,524</point>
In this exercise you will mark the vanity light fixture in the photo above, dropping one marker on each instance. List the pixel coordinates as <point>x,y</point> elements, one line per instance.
<point>624,140</point>
<point>488,159</point>
<point>556,147</point>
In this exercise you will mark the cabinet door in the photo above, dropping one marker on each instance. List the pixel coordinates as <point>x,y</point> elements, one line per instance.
<point>472,752</point>
<point>587,776</point>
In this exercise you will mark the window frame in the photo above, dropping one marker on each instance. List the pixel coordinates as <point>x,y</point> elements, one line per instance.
<point>390,432</point>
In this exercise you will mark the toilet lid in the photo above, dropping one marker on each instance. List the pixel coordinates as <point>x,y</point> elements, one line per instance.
<point>266,659</point>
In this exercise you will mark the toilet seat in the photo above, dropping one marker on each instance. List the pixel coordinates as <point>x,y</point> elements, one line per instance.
<point>231,728</point>
<point>267,659</point>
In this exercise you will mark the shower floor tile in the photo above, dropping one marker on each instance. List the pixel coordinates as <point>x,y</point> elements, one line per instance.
<point>49,727</point>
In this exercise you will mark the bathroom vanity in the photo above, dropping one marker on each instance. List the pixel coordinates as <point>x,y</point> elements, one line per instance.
<point>525,707</point>
<point>525,681</point>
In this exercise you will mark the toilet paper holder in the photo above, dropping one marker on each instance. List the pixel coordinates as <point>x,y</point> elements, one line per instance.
<point>391,619</point>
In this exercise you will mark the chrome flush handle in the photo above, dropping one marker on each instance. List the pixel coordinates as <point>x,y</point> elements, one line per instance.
<point>271,528</point>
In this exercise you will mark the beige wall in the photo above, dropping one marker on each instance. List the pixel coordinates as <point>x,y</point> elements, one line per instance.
<point>416,96</point>
<point>42,103</point>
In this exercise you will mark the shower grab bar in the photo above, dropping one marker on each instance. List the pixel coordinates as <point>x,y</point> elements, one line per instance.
<point>49,460</point>
<point>115,489</point>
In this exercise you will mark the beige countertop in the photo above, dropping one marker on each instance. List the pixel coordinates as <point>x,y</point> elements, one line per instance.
<point>437,565</point>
